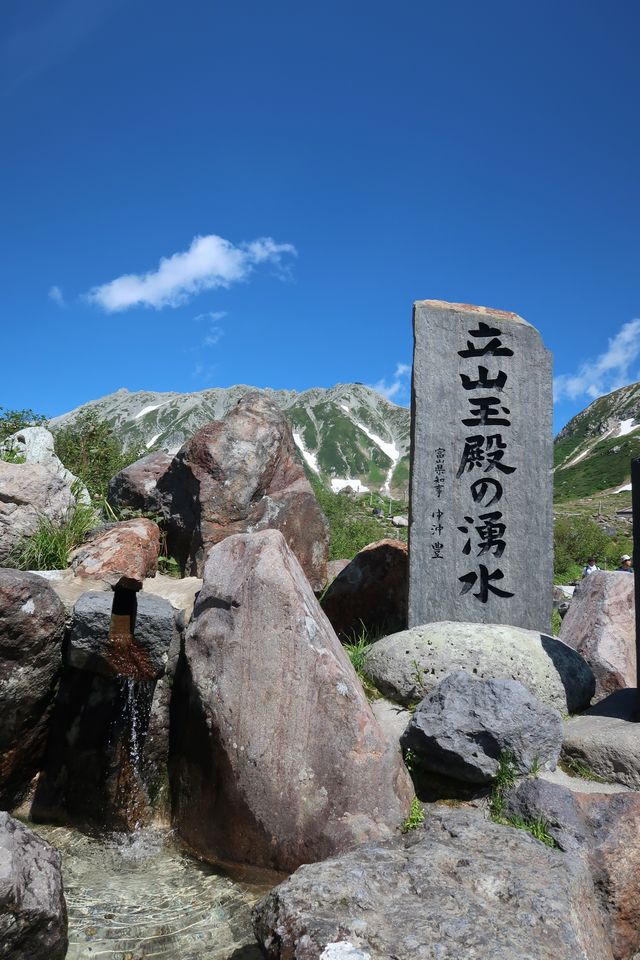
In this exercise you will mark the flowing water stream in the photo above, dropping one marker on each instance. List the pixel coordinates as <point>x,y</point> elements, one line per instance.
<point>134,896</point>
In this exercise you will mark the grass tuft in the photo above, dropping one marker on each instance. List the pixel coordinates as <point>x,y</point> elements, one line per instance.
<point>49,547</point>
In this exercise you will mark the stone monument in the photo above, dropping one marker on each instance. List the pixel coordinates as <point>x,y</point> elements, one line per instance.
<point>481,523</point>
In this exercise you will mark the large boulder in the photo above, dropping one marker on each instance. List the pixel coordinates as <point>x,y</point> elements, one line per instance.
<point>600,625</point>
<point>277,758</point>
<point>371,591</point>
<point>605,828</point>
<point>461,729</point>
<point>606,739</point>
<point>119,554</point>
<point>460,886</point>
<point>243,474</point>
<point>33,913</point>
<point>136,487</point>
<point>36,445</point>
<point>406,666</point>
<point>31,633</point>
<point>107,754</point>
<point>29,492</point>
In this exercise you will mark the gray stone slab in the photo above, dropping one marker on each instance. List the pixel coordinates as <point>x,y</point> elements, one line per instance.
<point>481,535</point>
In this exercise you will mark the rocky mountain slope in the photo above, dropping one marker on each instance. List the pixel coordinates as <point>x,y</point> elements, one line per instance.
<point>594,450</point>
<point>349,435</point>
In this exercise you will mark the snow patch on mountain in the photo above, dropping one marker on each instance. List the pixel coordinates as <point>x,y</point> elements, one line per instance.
<point>310,457</point>
<point>626,426</point>
<point>387,448</point>
<point>148,409</point>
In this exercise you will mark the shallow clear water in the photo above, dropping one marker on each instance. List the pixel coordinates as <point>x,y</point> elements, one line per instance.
<point>133,896</point>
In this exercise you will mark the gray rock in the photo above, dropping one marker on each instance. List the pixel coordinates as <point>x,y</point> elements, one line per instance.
<point>408,665</point>
<point>277,758</point>
<point>481,482</point>
<point>600,625</point>
<point>605,830</point>
<point>91,648</point>
<point>28,492</point>
<point>608,746</point>
<point>461,728</point>
<point>36,445</point>
<point>459,887</point>
<point>31,632</point>
<point>136,487</point>
<point>33,913</point>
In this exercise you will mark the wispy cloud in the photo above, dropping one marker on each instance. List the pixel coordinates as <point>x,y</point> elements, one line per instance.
<point>397,387</point>
<point>209,262</point>
<point>55,294</point>
<point>606,372</point>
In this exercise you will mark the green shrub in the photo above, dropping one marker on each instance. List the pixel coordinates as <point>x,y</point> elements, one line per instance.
<point>89,448</point>
<point>575,539</point>
<point>13,420</point>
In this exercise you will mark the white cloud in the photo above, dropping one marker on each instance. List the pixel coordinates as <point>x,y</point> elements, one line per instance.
<point>55,294</point>
<point>214,336</point>
<point>397,388</point>
<point>209,262</point>
<point>607,372</point>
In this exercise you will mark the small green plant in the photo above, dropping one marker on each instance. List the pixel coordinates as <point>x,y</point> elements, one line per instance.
<point>90,449</point>
<point>11,453</point>
<point>49,547</point>
<point>556,623</point>
<point>536,767</point>
<point>170,567</point>
<point>417,675</point>
<point>505,777</point>
<point>356,649</point>
<point>575,768</point>
<point>538,827</point>
<point>416,816</point>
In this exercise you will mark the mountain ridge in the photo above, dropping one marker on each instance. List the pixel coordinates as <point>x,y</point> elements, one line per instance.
<point>348,434</point>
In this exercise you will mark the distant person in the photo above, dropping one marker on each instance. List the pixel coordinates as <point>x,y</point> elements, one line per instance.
<point>625,564</point>
<point>591,567</point>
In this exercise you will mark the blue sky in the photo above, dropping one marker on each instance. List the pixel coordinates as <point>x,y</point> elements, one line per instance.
<point>206,193</point>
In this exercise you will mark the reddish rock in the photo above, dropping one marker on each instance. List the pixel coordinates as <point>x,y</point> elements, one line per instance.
<point>370,591</point>
<point>135,487</point>
<point>277,758</point>
<point>243,474</point>
<point>335,567</point>
<point>32,623</point>
<point>120,554</point>
<point>600,625</point>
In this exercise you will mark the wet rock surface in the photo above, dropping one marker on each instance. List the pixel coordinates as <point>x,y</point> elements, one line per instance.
<point>31,633</point>
<point>243,474</point>
<point>600,625</point>
<point>33,914</point>
<point>119,554</point>
<point>461,729</point>
<point>95,646</point>
<point>406,666</point>
<point>371,591</point>
<point>276,756</point>
<point>459,886</point>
